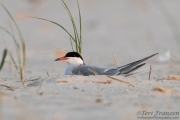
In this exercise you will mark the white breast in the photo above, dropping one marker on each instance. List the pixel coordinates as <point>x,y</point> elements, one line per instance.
<point>70,68</point>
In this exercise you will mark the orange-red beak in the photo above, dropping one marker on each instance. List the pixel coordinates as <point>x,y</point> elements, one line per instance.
<point>61,58</point>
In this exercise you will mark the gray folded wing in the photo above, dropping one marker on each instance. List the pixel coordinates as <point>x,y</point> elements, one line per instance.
<point>134,65</point>
<point>87,70</point>
<point>125,69</point>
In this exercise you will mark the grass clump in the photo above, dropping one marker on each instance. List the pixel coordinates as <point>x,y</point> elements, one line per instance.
<point>76,39</point>
<point>19,60</point>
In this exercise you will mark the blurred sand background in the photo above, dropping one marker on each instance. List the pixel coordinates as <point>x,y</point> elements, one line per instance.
<point>132,29</point>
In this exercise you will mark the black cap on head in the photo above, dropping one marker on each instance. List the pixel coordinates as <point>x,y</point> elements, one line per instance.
<point>73,54</point>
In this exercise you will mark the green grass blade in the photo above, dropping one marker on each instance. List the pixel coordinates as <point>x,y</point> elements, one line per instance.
<point>11,18</point>
<point>11,56</point>
<point>80,24</point>
<point>15,41</point>
<point>78,37</point>
<point>55,24</point>
<point>21,37</point>
<point>77,42</point>
<point>22,56</point>
<point>72,20</point>
<point>59,26</point>
<point>3,58</point>
<point>71,44</point>
<point>17,46</point>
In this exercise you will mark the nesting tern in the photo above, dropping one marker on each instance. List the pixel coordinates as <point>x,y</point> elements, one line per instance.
<point>77,66</point>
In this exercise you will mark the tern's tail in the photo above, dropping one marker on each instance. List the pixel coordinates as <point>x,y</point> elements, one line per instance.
<point>134,65</point>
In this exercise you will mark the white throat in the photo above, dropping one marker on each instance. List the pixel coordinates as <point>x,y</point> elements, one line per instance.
<point>74,61</point>
<point>72,64</point>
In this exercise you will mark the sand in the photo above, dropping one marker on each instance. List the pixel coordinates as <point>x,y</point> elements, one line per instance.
<point>80,97</point>
<point>130,29</point>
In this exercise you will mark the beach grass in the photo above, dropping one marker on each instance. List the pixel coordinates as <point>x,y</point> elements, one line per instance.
<point>19,59</point>
<point>76,39</point>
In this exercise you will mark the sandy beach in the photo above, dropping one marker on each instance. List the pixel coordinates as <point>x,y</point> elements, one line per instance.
<point>130,29</point>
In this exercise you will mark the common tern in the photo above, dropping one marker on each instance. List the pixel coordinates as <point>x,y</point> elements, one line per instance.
<point>77,66</point>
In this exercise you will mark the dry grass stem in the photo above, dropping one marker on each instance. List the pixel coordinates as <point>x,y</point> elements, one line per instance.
<point>103,82</point>
<point>150,72</point>
<point>165,90</point>
<point>94,72</point>
<point>20,87</point>
<point>32,79</point>
<point>7,86</point>
<point>120,80</point>
<point>173,77</point>
<point>62,81</point>
<point>33,84</point>
<point>12,87</point>
<point>161,79</point>
<point>37,83</point>
<point>115,60</point>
